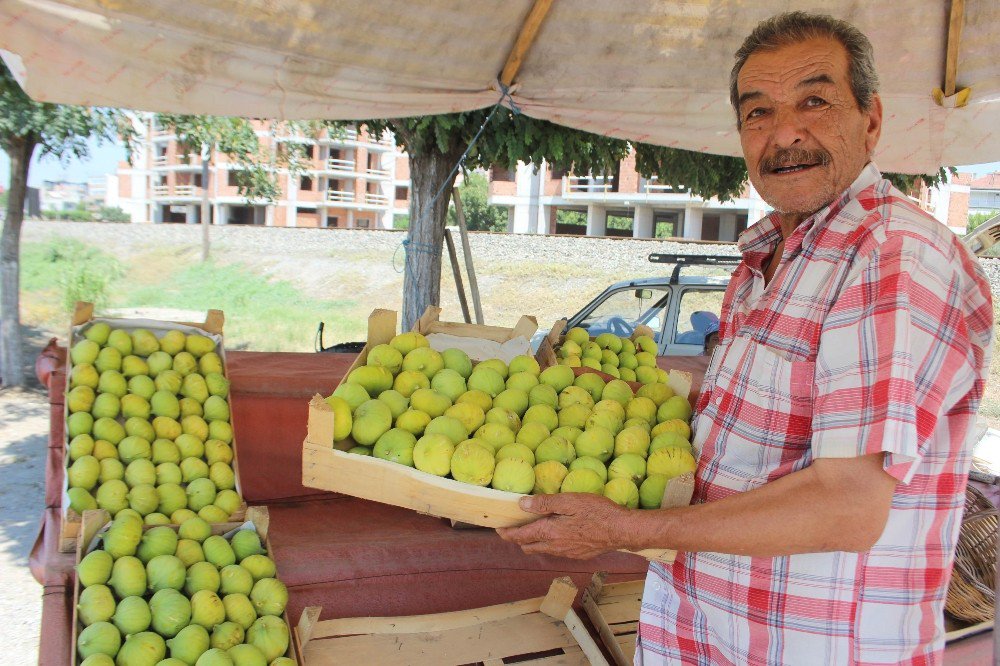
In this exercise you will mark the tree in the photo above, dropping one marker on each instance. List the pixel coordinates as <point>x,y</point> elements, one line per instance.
<point>257,168</point>
<point>479,214</point>
<point>436,143</point>
<point>61,131</point>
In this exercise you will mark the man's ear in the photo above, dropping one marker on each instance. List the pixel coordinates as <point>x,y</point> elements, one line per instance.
<point>874,129</point>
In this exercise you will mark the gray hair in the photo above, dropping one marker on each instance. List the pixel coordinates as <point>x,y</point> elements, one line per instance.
<point>794,27</point>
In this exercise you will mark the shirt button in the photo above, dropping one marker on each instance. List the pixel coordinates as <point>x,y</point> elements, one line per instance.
<point>718,399</point>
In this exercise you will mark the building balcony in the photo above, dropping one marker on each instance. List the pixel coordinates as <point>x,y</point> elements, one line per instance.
<point>160,161</point>
<point>185,190</point>
<point>586,185</point>
<point>378,174</point>
<point>653,186</point>
<point>376,199</point>
<point>341,167</point>
<point>339,196</point>
<point>160,191</point>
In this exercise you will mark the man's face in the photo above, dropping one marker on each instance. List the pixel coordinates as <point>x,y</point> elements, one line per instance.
<point>805,139</point>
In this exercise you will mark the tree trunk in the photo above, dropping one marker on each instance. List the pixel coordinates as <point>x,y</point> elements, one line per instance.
<point>19,149</point>
<point>422,276</point>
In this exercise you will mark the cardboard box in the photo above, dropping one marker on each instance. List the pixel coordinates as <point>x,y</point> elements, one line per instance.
<point>83,318</point>
<point>545,630</point>
<point>95,523</point>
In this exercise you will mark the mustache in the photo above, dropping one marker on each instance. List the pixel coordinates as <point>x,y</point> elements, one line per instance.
<point>792,156</point>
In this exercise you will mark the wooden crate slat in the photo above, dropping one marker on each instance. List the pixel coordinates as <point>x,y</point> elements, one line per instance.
<point>414,624</point>
<point>508,637</point>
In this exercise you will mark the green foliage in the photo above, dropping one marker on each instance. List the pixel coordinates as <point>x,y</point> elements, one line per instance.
<point>112,214</point>
<point>61,130</point>
<point>702,174</point>
<point>907,182</point>
<point>3,199</point>
<point>977,219</point>
<point>479,214</point>
<point>571,217</point>
<point>76,271</point>
<point>619,222</point>
<point>401,221</point>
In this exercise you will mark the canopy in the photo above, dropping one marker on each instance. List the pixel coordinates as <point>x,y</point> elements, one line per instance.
<point>645,70</point>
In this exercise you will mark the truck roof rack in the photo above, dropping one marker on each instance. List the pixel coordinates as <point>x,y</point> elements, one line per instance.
<point>681,260</point>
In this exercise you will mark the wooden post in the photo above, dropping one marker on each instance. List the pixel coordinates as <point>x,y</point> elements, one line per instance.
<point>954,39</point>
<point>457,272</point>
<point>206,157</point>
<point>467,250</point>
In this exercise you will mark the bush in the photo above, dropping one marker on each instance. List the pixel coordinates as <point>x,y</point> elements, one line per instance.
<point>112,214</point>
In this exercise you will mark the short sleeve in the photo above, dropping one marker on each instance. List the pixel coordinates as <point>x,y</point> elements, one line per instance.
<point>888,351</point>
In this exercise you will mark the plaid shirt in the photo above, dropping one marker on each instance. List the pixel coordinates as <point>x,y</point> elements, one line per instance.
<point>873,336</point>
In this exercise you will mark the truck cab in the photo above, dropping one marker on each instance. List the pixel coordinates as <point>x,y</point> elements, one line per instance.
<point>683,310</point>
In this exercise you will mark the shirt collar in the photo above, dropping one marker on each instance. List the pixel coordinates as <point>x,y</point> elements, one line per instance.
<point>765,235</point>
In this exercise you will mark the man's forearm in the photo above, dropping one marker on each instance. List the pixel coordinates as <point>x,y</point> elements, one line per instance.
<point>830,505</point>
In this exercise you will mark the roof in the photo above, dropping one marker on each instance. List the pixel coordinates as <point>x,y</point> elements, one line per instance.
<point>654,71</point>
<point>990,181</point>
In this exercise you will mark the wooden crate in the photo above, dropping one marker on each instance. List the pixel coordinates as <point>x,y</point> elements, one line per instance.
<point>679,381</point>
<point>328,467</point>
<point>538,632</point>
<point>83,316</point>
<point>95,523</point>
<point>613,610</point>
<point>382,328</point>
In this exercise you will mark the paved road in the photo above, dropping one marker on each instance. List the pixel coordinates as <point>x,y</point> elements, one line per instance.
<point>23,438</point>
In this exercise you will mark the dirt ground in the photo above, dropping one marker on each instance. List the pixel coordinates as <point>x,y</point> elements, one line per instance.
<point>24,426</point>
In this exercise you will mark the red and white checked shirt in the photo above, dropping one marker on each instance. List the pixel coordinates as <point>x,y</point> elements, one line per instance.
<point>873,336</point>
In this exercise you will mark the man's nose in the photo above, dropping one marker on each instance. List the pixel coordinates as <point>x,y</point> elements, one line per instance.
<point>788,129</point>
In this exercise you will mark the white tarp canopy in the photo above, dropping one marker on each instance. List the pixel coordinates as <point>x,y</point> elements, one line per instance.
<point>646,70</point>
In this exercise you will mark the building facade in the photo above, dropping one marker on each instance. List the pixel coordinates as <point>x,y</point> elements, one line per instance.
<point>544,201</point>
<point>351,181</point>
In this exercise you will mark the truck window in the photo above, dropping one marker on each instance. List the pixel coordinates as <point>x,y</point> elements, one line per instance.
<point>698,316</point>
<point>625,309</point>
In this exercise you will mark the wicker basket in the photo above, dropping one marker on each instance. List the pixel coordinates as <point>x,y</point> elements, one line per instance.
<point>971,593</point>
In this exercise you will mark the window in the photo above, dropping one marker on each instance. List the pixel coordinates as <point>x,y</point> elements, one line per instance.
<point>233,178</point>
<point>362,223</point>
<point>557,174</point>
<point>501,174</point>
<point>625,309</point>
<point>196,180</point>
<point>698,316</point>
<point>306,184</point>
<point>402,193</point>
<point>332,221</point>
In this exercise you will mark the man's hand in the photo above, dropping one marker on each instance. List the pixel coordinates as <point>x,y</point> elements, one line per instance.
<point>577,525</point>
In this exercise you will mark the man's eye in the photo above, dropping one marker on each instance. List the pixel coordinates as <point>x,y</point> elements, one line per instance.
<point>755,113</point>
<point>815,101</point>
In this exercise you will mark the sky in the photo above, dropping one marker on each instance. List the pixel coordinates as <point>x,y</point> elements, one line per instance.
<point>104,160</point>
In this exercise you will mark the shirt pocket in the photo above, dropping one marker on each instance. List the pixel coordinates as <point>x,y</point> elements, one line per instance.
<point>760,412</point>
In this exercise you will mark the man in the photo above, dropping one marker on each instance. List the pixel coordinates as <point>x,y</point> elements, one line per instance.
<point>832,431</point>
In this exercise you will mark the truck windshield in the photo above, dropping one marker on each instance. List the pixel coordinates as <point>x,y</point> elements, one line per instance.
<point>625,309</point>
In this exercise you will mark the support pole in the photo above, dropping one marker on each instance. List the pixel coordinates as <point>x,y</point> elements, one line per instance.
<point>457,272</point>
<point>954,40</point>
<point>467,250</point>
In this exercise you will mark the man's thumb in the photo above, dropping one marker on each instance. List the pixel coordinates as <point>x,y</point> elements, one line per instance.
<point>541,504</point>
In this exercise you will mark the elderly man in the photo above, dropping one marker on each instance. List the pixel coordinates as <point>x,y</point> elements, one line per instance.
<point>833,429</point>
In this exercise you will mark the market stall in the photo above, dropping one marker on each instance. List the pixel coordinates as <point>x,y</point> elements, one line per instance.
<point>352,557</point>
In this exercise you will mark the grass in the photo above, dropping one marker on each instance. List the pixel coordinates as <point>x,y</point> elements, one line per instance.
<point>261,314</point>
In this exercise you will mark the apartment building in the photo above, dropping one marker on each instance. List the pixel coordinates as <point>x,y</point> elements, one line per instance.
<point>630,205</point>
<point>351,180</point>
<point>624,205</point>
